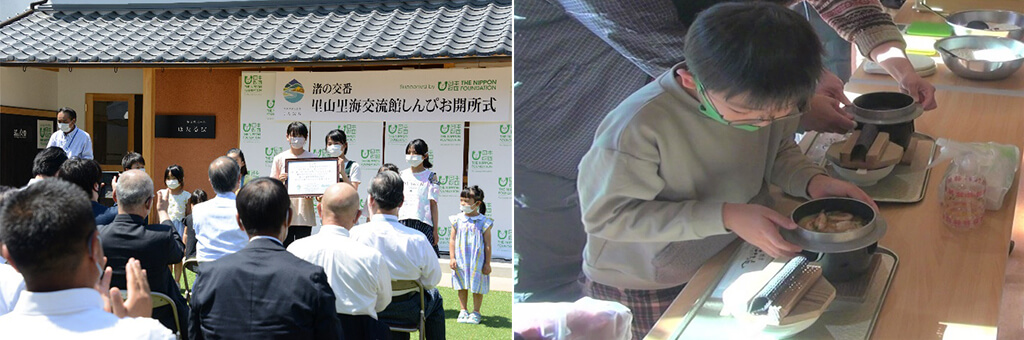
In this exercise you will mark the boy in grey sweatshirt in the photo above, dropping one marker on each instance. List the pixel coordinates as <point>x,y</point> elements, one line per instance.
<point>683,165</point>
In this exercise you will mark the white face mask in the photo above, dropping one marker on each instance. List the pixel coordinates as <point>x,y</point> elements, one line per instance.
<point>64,127</point>
<point>173,184</point>
<point>334,150</point>
<point>414,160</point>
<point>467,209</point>
<point>297,142</point>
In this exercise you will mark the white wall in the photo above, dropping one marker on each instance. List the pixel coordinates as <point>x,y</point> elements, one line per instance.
<point>33,88</point>
<point>72,86</point>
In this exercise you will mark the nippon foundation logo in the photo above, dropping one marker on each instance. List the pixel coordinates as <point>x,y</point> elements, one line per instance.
<point>370,158</point>
<point>449,185</point>
<point>481,160</point>
<point>504,238</point>
<point>350,131</point>
<point>451,134</point>
<point>252,84</point>
<point>270,152</point>
<point>505,187</point>
<point>442,232</point>
<point>398,134</point>
<point>251,132</point>
<point>505,134</point>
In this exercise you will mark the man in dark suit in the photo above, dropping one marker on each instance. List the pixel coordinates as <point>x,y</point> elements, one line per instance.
<point>263,291</point>
<point>156,245</point>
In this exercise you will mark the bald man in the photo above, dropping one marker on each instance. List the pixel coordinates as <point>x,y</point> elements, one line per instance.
<point>357,273</point>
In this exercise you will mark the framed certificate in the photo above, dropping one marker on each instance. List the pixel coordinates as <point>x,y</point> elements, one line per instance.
<point>310,177</point>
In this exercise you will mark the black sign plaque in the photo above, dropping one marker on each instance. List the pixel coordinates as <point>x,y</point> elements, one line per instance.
<point>182,126</point>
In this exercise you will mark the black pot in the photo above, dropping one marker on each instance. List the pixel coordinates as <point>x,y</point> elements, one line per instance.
<point>846,266</point>
<point>891,112</point>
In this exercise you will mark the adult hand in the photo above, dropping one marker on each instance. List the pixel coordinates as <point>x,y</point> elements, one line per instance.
<point>831,86</point>
<point>487,269</point>
<point>163,204</point>
<point>825,186</point>
<point>922,91</point>
<point>825,115</point>
<point>759,225</point>
<point>283,177</point>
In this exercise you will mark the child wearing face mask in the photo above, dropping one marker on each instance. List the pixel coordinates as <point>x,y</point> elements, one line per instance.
<point>337,146</point>
<point>303,216</point>
<point>419,211</point>
<point>177,206</point>
<point>470,251</point>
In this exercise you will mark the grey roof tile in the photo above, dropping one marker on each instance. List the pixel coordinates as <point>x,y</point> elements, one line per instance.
<point>331,32</point>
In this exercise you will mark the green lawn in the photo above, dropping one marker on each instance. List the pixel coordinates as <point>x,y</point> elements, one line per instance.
<point>495,324</point>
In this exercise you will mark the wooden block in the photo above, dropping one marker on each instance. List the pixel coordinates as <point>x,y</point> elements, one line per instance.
<point>846,151</point>
<point>813,304</point>
<point>877,148</point>
<point>908,155</point>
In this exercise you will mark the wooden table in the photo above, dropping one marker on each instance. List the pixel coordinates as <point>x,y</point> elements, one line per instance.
<point>945,278</point>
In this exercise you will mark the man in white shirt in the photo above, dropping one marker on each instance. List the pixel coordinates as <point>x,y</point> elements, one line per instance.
<point>214,221</point>
<point>357,273</point>
<point>49,235</point>
<point>74,141</point>
<point>408,254</point>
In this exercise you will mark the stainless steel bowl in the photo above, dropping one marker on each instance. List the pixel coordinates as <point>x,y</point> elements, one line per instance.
<point>849,205</point>
<point>981,69</point>
<point>960,20</point>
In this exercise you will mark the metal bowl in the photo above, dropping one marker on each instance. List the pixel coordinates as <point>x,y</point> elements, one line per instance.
<point>981,69</point>
<point>960,21</point>
<point>850,205</point>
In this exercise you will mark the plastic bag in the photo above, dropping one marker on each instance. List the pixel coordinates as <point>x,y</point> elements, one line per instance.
<point>586,318</point>
<point>997,163</point>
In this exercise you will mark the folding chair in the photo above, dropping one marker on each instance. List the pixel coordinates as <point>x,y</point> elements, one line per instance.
<point>406,285</point>
<point>160,300</point>
<point>190,264</point>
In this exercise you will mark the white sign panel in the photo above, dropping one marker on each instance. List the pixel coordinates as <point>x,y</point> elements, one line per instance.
<point>446,148</point>
<point>310,177</point>
<point>44,128</point>
<point>490,168</point>
<point>436,95</point>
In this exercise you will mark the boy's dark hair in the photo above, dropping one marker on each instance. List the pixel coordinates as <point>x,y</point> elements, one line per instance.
<point>177,171</point>
<point>387,190</point>
<point>245,170</point>
<point>130,159</point>
<point>263,206</point>
<point>72,115</point>
<point>47,227</point>
<point>477,194</point>
<point>198,196</point>
<point>388,167</point>
<point>84,173</point>
<point>763,50</point>
<point>298,129</point>
<point>48,161</point>
<point>339,137</point>
<point>420,147</point>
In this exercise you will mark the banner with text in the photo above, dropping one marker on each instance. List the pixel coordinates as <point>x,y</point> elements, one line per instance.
<point>490,168</point>
<point>433,95</point>
<point>445,145</point>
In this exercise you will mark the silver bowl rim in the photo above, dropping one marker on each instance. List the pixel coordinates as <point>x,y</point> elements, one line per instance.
<point>975,37</point>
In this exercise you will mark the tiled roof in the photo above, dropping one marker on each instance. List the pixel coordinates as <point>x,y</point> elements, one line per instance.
<point>330,32</point>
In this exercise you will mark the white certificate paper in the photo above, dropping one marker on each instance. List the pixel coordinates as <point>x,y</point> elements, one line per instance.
<point>310,176</point>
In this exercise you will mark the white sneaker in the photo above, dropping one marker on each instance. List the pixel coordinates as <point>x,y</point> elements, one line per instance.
<point>473,318</point>
<point>463,316</point>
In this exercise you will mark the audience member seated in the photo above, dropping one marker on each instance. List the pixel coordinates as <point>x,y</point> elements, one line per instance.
<point>11,281</point>
<point>86,174</point>
<point>408,254</point>
<point>155,246</point>
<point>130,161</point>
<point>356,273</point>
<point>47,163</point>
<point>263,291</point>
<point>50,237</point>
<point>214,221</point>
<point>198,196</point>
